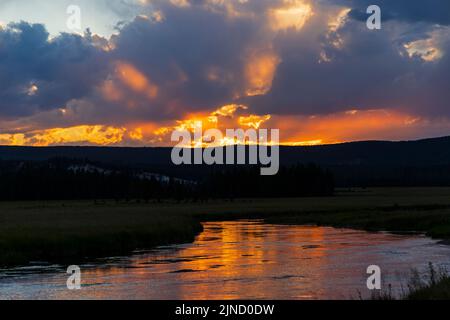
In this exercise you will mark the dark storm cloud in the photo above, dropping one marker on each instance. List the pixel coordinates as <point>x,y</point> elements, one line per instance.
<point>372,70</point>
<point>430,11</point>
<point>364,73</point>
<point>61,69</point>
<point>197,56</point>
<point>186,50</point>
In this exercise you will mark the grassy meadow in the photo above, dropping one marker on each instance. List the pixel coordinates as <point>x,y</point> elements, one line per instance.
<point>62,231</point>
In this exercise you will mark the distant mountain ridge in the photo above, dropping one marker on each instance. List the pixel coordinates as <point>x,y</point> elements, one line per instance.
<point>365,163</point>
<point>434,151</point>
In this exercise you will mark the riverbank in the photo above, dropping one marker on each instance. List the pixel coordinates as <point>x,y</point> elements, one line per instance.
<point>72,231</point>
<point>440,290</point>
<point>434,285</point>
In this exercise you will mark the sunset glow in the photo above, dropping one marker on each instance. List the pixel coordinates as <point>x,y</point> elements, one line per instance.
<point>294,14</point>
<point>307,68</point>
<point>136,80</point>
<point>260,72</point>
<point>294,130</point>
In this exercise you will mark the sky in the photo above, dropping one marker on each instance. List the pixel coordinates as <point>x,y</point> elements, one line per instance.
<point>137,70</point>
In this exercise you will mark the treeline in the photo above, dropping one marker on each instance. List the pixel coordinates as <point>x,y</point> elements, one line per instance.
<point>65,179</point>
<point>246,182</point>
<point>59,179</point>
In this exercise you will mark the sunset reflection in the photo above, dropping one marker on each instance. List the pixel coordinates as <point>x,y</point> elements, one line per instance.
<point>242,260</point>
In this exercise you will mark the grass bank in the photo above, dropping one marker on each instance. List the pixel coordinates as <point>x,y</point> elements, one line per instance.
<point>73,232</point>
<point>439,290</point>
<point>433,285</point>
<point>68,231</point>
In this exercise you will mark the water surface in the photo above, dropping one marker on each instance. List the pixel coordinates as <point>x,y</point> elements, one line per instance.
<point>240,260</point>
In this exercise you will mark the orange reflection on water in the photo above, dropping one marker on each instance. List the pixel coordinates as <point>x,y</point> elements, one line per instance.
<point>245,256</point>
<point>228,260</point>
<point>242,260</point>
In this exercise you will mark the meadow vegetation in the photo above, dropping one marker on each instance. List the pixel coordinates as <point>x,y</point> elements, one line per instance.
<point>434,284</point>
<point>59,231</point>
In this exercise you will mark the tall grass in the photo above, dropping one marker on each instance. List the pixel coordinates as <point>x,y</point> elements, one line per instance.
<point>436,286</point>
<point>433,285</point>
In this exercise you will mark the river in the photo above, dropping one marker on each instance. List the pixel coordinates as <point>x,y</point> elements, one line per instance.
<point>240,260</point>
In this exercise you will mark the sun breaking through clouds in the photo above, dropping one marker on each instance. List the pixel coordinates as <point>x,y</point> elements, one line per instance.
<point>140,69</point>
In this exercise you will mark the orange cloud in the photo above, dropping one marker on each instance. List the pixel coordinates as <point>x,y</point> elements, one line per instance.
<point>111,91</point>
<point>259,72</point>
<point>303,143</point>
<point>253,121</point>
<point>347,126</point>
<point>228,110</point>
<point>221,118</point>
<point>97,135</point>
<point>136,80</point>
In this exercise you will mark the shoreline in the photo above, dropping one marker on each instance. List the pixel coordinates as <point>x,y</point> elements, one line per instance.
<point>61,232</point>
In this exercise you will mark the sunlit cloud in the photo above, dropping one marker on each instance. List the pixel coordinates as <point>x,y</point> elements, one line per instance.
<point>223,118</point>
<point>181,3</point>
<point>228,110</point>
<point>97,135</point>
<point>354,125</point>
<point>338,20</point>
<point>253,121</point>
<point>111,91</point>
<point>428,47</point>
<point>333,128</point>
<point>32,90</point>
<point>308,68</point>
<point>293,14</point>
<point>136,134</point>
<point>136,80</point>
<point>304,143</point>
<point>260,71</point>
<point>423,49</point>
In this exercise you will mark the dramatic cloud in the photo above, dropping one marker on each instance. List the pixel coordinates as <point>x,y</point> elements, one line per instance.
<point>413,11</point>
<point>38,74</point>
<point>297,65</point>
